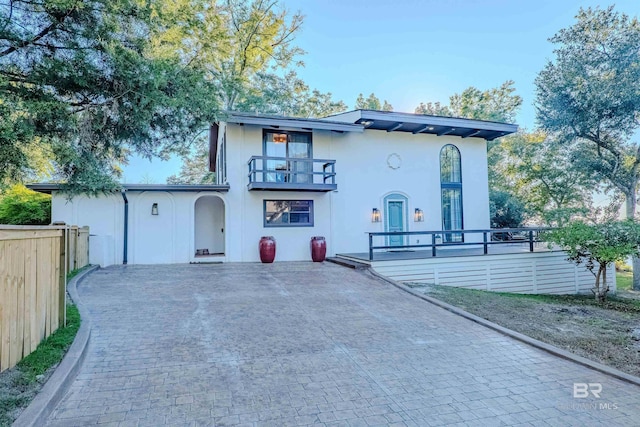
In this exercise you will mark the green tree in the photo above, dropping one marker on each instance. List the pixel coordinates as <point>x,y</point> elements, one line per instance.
<point>598,246</point>
<point>83,78</point>
<point>544,177</point>
<point>433,109</point>
<point>21,206</point>
<point>251,64</point>
<point>588,98</point>
<point>237,42</point>
<point>288,96</point>
<point>499,104</point>
<point>505,209</point>
<point>195,166</point>
<point>372,103</point>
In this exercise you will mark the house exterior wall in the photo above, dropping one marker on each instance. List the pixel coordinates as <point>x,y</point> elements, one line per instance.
<point>369,167</point>
<point>104,217</point>
<point>247,207</point>
<point>168,237</point>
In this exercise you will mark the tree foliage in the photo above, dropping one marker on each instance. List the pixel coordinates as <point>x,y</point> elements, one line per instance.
<point>544,177</point>
<point>82,78</point>
<point>372,103</point>
<point>588,97</point>
<point>251,64</point>
<point>257,38</point>
<point>195,166</point>
<point>21,206</point>
<point>433,109</point>
<point>288,96</point>
<point>598,246</point>
<point>505,209</point>
<point>499,104</point>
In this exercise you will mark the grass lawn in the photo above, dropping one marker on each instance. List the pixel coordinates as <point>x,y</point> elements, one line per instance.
<point>624,280</point>
<point>20,384</point>
<point>607,333</point>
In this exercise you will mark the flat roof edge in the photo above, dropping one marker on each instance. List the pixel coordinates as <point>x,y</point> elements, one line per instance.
<point>461,122</point>
<point>48,188</point>
<point>293,122</point>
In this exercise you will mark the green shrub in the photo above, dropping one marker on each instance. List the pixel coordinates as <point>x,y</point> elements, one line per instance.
<point>506,210</point>
<point>597,246</point>
<point>21,206</point>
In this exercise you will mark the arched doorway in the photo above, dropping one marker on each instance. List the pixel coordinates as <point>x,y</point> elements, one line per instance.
<point>209,227</point>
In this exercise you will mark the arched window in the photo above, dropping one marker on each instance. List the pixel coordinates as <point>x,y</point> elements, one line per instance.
<point>451,188</point>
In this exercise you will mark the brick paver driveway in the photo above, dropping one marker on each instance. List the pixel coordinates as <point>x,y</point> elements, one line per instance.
<point>303,343</point>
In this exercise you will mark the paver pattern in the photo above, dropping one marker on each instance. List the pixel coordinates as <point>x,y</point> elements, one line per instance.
<point>304,343</point>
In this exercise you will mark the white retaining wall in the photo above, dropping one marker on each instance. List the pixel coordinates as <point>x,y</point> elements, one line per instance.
<point>527,273</point>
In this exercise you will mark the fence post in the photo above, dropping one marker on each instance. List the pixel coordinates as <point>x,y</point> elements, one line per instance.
<point>62,285</point>
<point>370,247</point>
<point>433,245</point>
<point>484,238</point>
<point>530,240</point>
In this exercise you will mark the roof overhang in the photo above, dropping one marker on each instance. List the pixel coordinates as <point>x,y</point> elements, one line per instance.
<point>277,122</point>
<point>48,188</point>
<point>419,123</point>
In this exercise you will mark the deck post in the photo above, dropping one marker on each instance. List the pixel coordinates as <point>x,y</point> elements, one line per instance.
<point>370,247</point>
<point>484,239</point>
<point>530,240</point>
<point>433,245</point>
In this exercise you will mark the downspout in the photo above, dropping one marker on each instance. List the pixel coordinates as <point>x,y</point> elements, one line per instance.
<point>126,227</point>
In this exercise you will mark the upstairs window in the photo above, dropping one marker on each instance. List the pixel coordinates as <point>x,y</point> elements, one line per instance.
<point>288,155</point>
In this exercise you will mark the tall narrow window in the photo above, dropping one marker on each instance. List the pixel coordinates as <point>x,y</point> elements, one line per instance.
<point>451,188</point>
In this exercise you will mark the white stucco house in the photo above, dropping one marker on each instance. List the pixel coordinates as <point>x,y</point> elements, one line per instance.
<point>346,177</point>
<point>295,178</point>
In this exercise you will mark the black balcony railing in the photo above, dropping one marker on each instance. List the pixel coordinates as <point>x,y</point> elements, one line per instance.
<point>288,173</point>
<point>528,237</point>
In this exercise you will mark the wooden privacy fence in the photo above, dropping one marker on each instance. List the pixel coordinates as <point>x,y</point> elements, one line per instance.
<point>33,268</point>
<point>77,247</point>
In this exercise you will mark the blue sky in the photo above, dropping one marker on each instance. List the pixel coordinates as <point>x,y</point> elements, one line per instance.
<point>412,51</point>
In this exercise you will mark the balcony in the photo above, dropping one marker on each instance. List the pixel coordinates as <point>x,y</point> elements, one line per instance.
<point>291,174</point>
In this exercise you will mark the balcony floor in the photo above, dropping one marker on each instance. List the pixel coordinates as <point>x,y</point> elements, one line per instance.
<point>288,186</point>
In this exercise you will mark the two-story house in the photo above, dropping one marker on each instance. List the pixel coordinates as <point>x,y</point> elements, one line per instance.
<point>339,177</point>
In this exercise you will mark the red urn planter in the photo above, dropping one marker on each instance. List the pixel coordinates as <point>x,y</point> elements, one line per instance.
<point>267,248</point>
<point>318,248</point>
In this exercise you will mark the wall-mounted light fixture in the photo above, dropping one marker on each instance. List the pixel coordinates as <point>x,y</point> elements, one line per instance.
<point>419,215</point>
<point>154,209</point>
<point>375,215</point>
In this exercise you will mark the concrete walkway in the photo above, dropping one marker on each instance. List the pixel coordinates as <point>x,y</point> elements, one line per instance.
<point>304,343</point>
